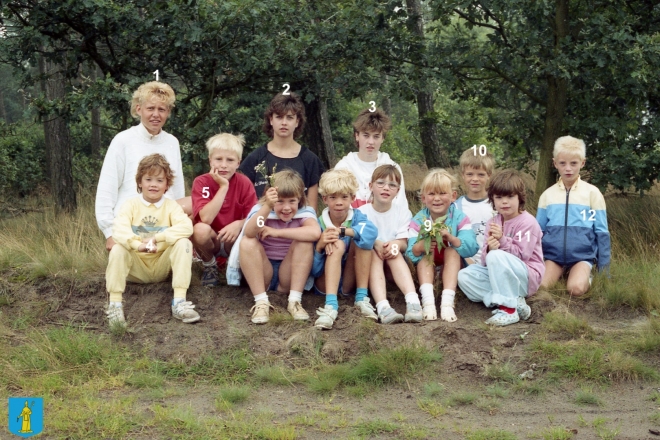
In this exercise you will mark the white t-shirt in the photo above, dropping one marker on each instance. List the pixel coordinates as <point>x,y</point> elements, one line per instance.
<point>392,224</point>
<point>479,212</point>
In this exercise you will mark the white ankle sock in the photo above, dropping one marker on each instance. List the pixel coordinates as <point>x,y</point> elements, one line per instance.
<point>412,298</point>
<point>427,293</point>
<point>295,296</point>
<point>261,296</point>
<point>382,305</point>
<point>447,298</point>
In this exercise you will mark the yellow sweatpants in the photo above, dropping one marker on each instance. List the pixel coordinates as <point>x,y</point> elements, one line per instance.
<point>142,267</point>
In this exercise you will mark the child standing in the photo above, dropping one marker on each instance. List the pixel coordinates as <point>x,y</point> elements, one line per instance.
<point>151,234</point>
<point>342,256</point>
<point>511,260</point>
<point>284,121</point>
<point>476,170</point>
<point>369,130</point>
<point>574,222</point>
<point>221,201</point>
<point>276,250</point>
<point>438,191</point>
<point>390,246</point>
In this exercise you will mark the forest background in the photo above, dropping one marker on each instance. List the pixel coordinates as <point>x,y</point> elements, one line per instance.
<point>511,75</point>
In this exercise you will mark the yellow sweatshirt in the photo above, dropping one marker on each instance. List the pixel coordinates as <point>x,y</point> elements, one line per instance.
<point>138,219</point>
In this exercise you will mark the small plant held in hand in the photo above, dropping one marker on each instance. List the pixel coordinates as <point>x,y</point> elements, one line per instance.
<point>263,170</point>
<point>433,231</point>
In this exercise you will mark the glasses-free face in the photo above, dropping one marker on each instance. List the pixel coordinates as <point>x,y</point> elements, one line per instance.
<point>476,181</point>
<point>569,167</point>
<point>153,115</point>
<point>284,125</point>
<point>369,142</point>
<point>286,207</point>
<point>507,206</point>
<point>153,186</point>
<point>225,162</point>
<point>438,202</point>
<point>338,205</point>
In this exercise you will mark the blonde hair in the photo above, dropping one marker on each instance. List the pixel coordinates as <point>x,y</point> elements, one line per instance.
<point>288,184</point>
<point>226,142</point>
<point>571,146</point>
<point>477,161</point>
<point>338,182</point>
<point>152,165</point>
<point>439,180</point>
<point>152,90</point>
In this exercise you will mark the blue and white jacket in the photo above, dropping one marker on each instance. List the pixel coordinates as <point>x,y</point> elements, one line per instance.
<point>574,224</point>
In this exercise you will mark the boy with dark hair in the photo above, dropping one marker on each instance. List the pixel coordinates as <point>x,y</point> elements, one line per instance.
<point>151,234</point>
<point>284,120</point>
<point>369,130</point>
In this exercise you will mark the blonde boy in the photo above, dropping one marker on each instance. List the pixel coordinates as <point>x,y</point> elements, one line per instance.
<point>573,219</point>
<point>151,234</point>
<point>342,256</point>
<point>476,171</point>
<point>152,104</point>
<point>221,201</point>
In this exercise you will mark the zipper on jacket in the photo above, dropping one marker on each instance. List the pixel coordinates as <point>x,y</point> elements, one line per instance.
<point>568,191</point>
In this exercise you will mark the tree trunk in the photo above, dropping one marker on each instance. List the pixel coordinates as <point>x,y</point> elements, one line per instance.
<point>386,104</point>
<point>317,133</point>
<point>95,141</point>
<point>57,139</point>
<point>556,107</point>
<point>3,110</point>
<point>428,131</point>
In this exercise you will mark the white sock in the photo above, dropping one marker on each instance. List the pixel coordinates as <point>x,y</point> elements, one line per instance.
<point>176,301</point>
<point>261,296</point>
<point>382,305</point>
<point>412,298</point>
<point>295,296</point>
<point>427,293</point>
<point>115,304</point>
<point>447,298</point>
<point>209,263</point>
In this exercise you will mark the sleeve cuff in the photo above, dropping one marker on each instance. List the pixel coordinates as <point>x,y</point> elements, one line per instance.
<point>159,237</point>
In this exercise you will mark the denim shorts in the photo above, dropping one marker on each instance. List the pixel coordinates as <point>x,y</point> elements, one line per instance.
<point>276,274</point>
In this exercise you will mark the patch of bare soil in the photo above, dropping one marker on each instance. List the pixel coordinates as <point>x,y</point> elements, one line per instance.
<point>468,347</point>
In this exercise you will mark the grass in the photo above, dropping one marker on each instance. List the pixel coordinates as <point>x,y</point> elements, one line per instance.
<point>585,396</point>
<point>461,399</point>
<point>374,427</point>
<point>567,325</point>
<point>655,418</point>
<point>649,340</point>
<point>490,434</point>
<point>431,407</point>
<point>232,395</point>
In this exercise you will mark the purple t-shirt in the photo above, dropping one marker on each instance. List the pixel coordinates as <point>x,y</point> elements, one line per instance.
<point>276,248</point>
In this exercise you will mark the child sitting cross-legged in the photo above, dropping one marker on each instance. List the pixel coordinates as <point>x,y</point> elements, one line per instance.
<point>440,221</point>
<point>511,266</point>
<point>342,257</point>
<point>387,259</point>
<point>277,246</point>
<point>151,234</point>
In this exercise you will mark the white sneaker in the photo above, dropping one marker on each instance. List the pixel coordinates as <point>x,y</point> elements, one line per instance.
<point>260,311</point>
<point>390,316</point>
<point>430,312</point>
<point>115,315</point>
<point>327,316</point>
<point>297,311</point>
<point>413,313</point>
<point>447,314</point>
<point>501,318</point>
<point>367,310</point>
<point>183,310</point>
<point>524,311</point>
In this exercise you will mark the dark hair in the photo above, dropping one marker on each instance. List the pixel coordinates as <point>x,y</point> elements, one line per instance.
<point>152,165</point>
<point>507,183</point>
<point>377,121</point>
<point>281,105</point>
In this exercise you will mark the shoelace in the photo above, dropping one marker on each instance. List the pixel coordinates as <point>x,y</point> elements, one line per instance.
<point>183,306</point>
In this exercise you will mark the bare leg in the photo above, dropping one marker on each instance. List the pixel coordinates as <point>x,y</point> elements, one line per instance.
<point>578,279</point>
<point>377,283</point>
<point>205,241</point>
<point>328,282</point>
<point>295,267</point>
<point>450,271</point>
<point>256,268</point>
<point>553,272</point>
<point>401,274</point>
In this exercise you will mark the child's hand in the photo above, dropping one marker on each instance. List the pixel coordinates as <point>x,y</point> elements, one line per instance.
<point>267,231</point>
<point>230,233</point>
<point>495,231</point>
<point>271,197</point>
<point>330,248</point>
<point>378,247</point>
<point>217,177</point>
<point>434,245</point>
<point>446,235</point>
<point>387,251</point>
<point>148,245</point>
<point>330,235</point>
<point>493,243</point>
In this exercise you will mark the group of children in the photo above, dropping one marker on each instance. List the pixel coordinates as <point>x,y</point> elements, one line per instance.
<point>484,242</point>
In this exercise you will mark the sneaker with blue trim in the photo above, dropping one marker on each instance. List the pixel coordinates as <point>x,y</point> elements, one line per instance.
<point>390,316</point>
<point>413,313</point>
<point>327,315</point>
<point>184,310</point>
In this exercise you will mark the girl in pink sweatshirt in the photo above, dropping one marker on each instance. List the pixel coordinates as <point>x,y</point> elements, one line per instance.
<point>511,260</point>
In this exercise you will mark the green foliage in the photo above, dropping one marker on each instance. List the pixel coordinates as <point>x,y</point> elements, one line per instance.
<point>22,159</point>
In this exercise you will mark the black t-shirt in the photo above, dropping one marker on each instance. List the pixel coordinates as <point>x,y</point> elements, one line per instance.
<point>307,164</point>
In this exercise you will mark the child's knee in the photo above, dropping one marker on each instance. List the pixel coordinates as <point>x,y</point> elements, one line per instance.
<point>494,257</point>
<point>201,231</point>
<point>577,288</point>
<point>249,244</point>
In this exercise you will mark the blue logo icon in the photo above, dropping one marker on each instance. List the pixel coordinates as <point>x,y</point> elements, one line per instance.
<point>26,416</point>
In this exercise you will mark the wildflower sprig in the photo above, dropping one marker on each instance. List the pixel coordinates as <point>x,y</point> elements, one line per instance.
<point>432,230</point>
<point>263,170</point>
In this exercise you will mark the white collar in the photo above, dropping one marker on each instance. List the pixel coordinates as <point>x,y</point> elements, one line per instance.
<point>144,132</point>
<point>158,204</point>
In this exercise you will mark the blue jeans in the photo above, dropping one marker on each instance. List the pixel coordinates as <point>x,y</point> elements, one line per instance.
<point>500,283</point>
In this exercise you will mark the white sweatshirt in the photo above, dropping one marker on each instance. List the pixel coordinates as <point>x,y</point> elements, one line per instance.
<point>117,179</point>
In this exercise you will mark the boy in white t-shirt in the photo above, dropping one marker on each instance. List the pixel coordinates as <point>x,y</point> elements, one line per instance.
<point>369,130</point>
<point>476,171</point>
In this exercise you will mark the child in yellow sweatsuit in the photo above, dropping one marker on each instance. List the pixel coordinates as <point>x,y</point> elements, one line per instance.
<point>151,234</point>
